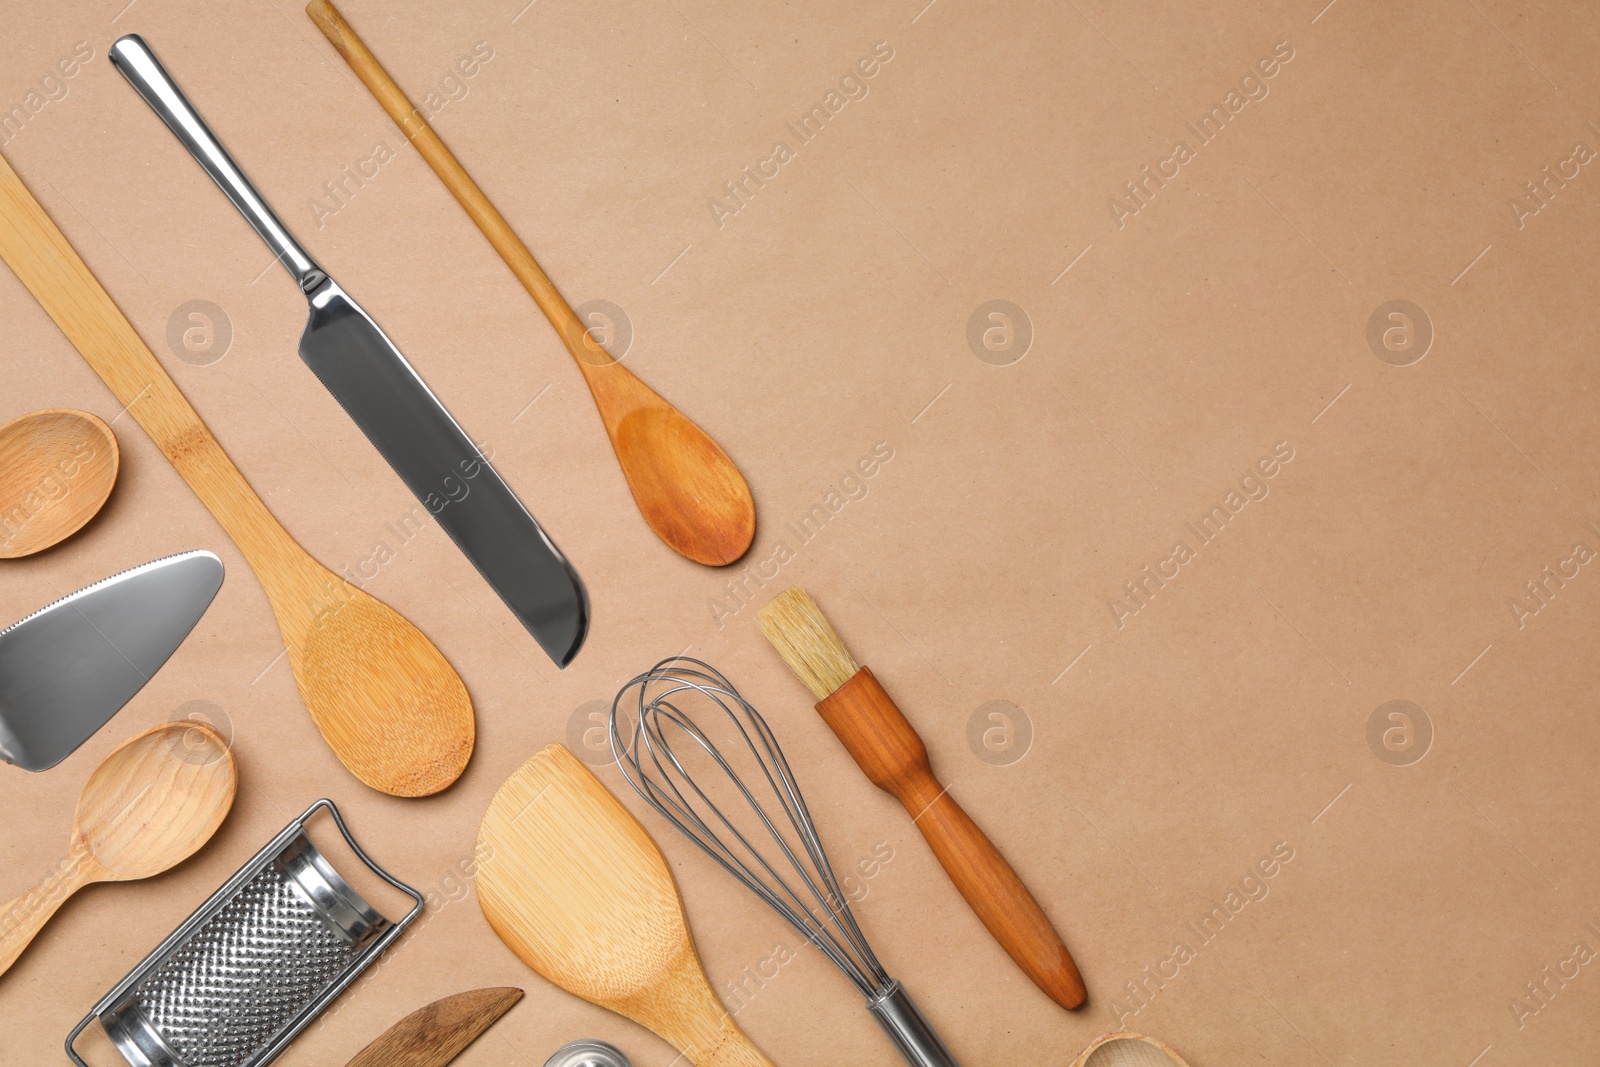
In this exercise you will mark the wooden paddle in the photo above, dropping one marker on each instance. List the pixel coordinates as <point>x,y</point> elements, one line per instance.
<point>577,888</point>
<point>388,703</point>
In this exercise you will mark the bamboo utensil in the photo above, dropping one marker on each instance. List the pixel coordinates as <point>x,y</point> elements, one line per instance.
<point>437,1033</point>
<point>685,485</point>
<point>387,702</point>
<point>1127,1049</point>
<point>891,754</point>
<point>573,884</point>
<point>57,468</point>
<point>149,806</point>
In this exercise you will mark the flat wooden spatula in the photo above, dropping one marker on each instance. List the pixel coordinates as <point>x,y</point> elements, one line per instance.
<point>575,886</point>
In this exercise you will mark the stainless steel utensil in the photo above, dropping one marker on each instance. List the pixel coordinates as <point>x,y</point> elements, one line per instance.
<point>250,969</point>
<point>70,666</point>
<point>588,1054</point>
<point>683,707</point>
<point>391,404</point>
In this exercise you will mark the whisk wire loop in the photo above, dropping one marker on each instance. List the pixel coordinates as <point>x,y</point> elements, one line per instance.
<point>817,906</point>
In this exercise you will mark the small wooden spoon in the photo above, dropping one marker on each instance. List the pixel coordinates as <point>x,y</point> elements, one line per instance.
<point>578,889</point>
<point>686,487</point>
<point>57,468</point>
<point>149,806</point>
<point>386,700</point>
<point>1127,1049</point>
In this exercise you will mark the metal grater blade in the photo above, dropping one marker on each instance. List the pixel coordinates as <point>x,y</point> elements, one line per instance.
<point>244,974</point>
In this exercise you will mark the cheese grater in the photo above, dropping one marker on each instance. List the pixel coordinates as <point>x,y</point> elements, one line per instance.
<point>250,969</point>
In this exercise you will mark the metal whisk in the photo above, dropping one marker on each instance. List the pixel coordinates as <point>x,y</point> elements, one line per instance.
<point>680,702</point>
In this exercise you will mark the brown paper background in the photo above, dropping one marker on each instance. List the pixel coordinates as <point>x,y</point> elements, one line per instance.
<point>830,314</point>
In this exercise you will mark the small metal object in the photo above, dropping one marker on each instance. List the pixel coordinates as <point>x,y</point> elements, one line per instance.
<point>389,401</point>
<point>683,706</point>
<point>588,1054</point>
<point>250,969</point>
<point>67,668</point>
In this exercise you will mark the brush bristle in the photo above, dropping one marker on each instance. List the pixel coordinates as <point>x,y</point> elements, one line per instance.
<point>801,634</point>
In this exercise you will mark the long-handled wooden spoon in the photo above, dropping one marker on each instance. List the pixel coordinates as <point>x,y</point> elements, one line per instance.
<point>57,468</point>
<point>149,806</point>
<point>389,704</point>
<point>686,487</point>
<point>579,890</point>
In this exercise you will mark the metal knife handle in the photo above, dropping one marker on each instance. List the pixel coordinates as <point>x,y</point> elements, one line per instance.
<point>145,73</point>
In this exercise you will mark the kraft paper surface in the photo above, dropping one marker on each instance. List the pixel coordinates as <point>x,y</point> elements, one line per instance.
<point>1188,412</point>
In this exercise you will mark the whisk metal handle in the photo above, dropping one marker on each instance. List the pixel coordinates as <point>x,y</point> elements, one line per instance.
<point>906,1027</point>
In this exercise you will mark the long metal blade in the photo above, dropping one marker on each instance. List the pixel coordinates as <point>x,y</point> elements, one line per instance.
<point>67,668</point>
<point>434,457</point>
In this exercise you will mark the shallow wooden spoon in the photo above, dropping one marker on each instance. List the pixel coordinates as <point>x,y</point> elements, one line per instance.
<point>57,468</point>
<point>149,806</point>
<point>386,700</point>
<point>686,487</point>
<point>1127,1049</point>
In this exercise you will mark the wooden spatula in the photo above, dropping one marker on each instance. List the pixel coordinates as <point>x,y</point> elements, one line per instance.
<point>389,704</point>
<point>577,888</point>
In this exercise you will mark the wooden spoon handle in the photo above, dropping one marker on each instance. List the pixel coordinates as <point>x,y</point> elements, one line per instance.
<point>735,1050</point>
<point>681,1007</point>
<point>48,265</point>
<point>406,115</point>
<point>893,756</point>
<point>22,919</point>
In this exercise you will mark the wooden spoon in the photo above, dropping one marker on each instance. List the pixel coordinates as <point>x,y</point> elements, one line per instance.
<point>57,468</point>
<point>149,806</point>
<point>578,889</point>
<point>1127,1049</point>
<point>389,704</point>
<point>686,487</point>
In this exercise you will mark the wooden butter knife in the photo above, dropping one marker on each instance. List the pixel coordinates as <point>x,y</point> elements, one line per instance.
<point>434,1035</point>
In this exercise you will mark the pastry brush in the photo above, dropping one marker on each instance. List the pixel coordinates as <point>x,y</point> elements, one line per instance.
<point>891,754</point>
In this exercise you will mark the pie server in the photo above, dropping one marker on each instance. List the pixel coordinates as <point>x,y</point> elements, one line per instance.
<point>67,668</point>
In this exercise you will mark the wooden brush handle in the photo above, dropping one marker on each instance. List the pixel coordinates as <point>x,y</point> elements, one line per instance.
<point>893,756</point>
<point>406,115</point>
<point>22,919</point>
<point>48,265</point>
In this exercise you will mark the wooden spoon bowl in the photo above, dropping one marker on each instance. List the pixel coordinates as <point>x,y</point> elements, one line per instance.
<point>390,705</point>
<point>1127,1049</point>
<point>57,468</point>
<point>686,487</point>
<point>150,805</point>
